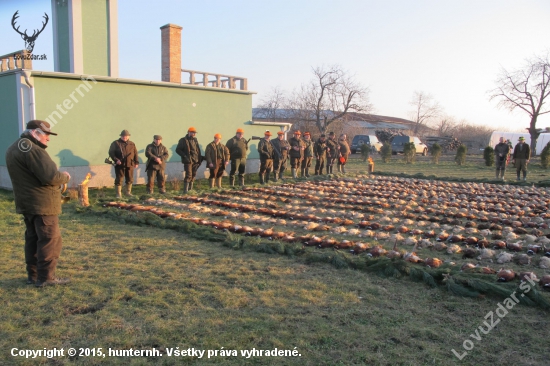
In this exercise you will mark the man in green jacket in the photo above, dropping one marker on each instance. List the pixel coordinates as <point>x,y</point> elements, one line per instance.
<point>308,155</point>
<point>124,154</point>
<point>157,155</point>
<point>238,149</point>
<point>189,150</point>
<point>217,158</point>
<point>521,157</point>
<point>36,188</point>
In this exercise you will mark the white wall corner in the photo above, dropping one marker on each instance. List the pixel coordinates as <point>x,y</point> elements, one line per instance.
<point>113,38</point>
<point>75,36</point>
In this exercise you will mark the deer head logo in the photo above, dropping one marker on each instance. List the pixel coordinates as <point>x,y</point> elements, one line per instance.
<point>29,40</point>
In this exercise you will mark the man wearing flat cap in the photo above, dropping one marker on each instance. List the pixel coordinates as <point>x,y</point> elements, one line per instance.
<point>281,148</point>
<point>320,150</point>
<point>297,147</point>
<point>36,187</point>
<point>333,151</point>
<point>124,153</point>
<point>521,156</point>
<point>157,155</point>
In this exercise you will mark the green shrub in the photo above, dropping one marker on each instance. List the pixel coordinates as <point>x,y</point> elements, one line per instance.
<point>409,152</point>
<point>385,152</point>
<point>436,152</point>
<point>365,152</point>
<point>545,156</point>
<point>460,157</point>
<point>489,156</point>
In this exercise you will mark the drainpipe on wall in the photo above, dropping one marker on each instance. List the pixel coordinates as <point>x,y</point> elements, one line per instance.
<point>27,75</point>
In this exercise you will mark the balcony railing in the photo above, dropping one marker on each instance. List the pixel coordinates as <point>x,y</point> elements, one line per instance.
<point>15,60</point>
<point>216,80</point>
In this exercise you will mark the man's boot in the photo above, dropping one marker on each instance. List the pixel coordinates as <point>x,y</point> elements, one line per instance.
<point>232,180</point>
<point>128,190</point>
<point>518,176</point>
<point>307,172</point>
<point>274,176</point>
<point>293,173</point>
<point>211,183</point>
<point>191,185</point>
<point>219,182</point>
<point>261,178</point>
<point>343,169</point>
<point>524,176</point>
<point>241,181</point>
<point>118,190</point>
<point>185,187</point>
<point>339,168</point>
<point>498,174</point>
<point>303,172</point>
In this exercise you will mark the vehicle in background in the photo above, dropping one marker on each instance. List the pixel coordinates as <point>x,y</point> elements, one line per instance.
<point>398,143</point>
<point>371,140</point>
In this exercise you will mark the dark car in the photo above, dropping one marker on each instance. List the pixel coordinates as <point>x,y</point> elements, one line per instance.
<point>398,143</point>
<point>365,139</point>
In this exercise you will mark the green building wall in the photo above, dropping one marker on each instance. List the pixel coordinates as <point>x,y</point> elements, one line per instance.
<point>63,44</point>
<point>100,111</point>
<point>9,125</point>
<point>95,37</point>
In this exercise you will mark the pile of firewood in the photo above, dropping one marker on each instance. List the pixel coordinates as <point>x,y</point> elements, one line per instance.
<point>387,134</point>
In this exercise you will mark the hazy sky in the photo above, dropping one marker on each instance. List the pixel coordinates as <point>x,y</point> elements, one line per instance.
<point>452,49</point>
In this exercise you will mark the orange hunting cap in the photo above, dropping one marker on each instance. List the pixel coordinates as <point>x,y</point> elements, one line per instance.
<point>297,133</point>
<point>267,133</point>
<point>307,133</point>
<point>240,130</point>
<point>217,136</point>
<point>192,129</point>
<point>280,133</point>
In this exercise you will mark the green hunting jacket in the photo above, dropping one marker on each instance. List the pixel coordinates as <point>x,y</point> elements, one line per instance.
<point>34,177</point>
<point>237,147</point>
<point>216,152</point>
<point>152,152</point>
<point>308,152</point>
<point>522,152</point>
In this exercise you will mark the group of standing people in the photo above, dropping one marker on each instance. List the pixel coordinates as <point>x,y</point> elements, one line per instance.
<point>520,157</point>
<point>274,154</point>
<point>274,157</point>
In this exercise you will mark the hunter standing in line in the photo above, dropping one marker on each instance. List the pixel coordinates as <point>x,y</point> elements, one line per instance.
<point>265,149</point>
<point>320,151</point>
<point>344,153</point>
<point>297,147</point>
<point>36,188</point>
<point>502,150</point>
<point>157,155</point>
<point>217,158</point>
<point>281,147</point>
<point>521,157</point>
<point>238,149</point>
<point>189,150</point>
<point>308,155</point>
<point>124,153</point>
<point>333,151</point>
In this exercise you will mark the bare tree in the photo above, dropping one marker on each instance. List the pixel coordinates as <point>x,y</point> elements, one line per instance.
<point>445,125</point>
<point>425,109</point>
<point>269,104</point>
<point>526,89</point>
<point>329,97</point>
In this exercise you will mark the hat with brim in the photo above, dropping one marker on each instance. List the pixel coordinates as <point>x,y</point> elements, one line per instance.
<point>125,133</point>
<point>157,137</point>
<point>43,126</point>
<point>521,138</point>
<point>280,133</point>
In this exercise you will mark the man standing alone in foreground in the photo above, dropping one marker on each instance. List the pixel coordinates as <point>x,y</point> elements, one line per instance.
<point>36,180</point>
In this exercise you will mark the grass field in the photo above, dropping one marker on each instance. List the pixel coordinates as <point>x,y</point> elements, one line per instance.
<point>143,287</point>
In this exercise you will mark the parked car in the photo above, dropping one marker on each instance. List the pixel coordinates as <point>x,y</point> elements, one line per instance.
<point>398,143</point>
<point>365,139</point>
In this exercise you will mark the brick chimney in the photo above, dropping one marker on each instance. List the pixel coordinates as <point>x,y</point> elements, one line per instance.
<point>171,53</point>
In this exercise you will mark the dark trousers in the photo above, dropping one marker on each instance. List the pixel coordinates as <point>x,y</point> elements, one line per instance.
<point>319,165</point>
<point>521,166</point>
<point>159,175</point>
<point>124,172</point>
<point>217,170</point>
<point>279,166</point>
<point>237,165</point>
<point>190,172</point>
<point>266,165</point>
<point>295,162</point>
<point>42,246</point>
